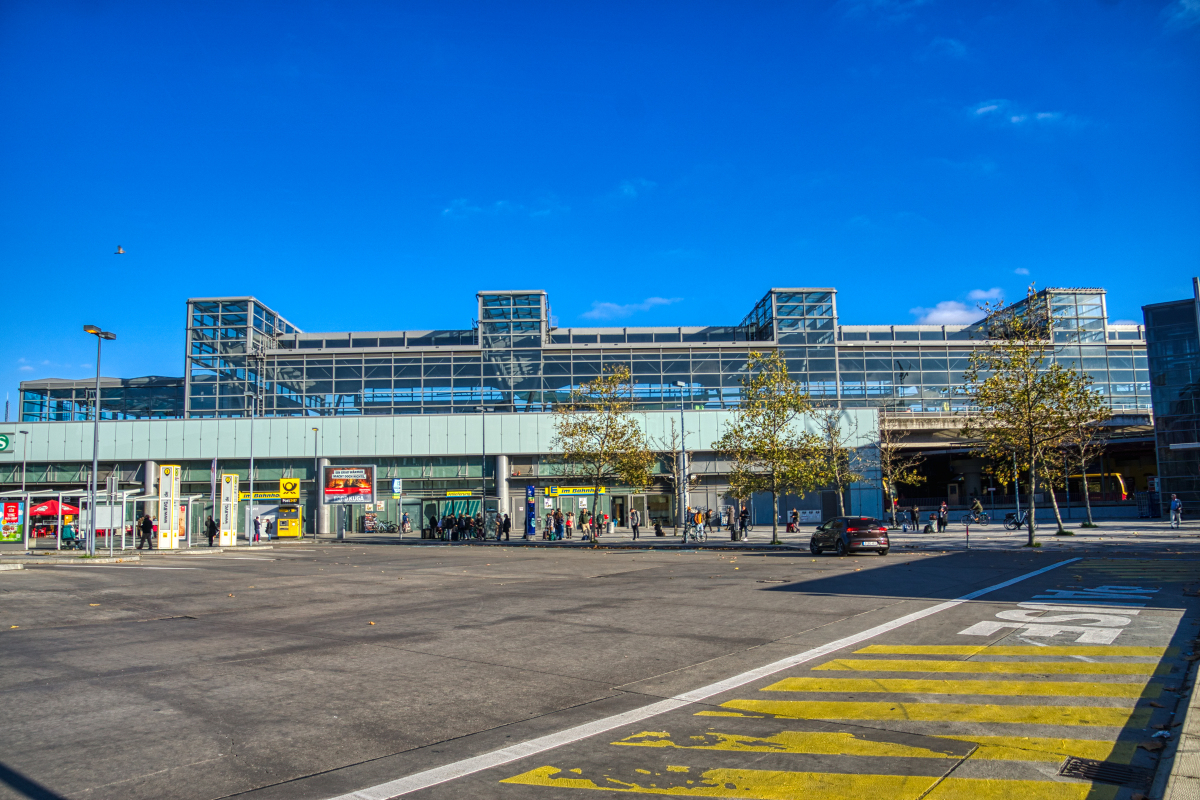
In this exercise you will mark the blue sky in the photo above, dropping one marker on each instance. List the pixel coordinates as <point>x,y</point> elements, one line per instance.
<point>366,166</point>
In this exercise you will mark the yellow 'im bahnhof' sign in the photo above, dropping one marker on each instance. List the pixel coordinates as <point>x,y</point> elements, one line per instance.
<point>555,491</point>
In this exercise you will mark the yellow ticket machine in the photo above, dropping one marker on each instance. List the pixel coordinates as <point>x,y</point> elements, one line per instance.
<point>288,521</point>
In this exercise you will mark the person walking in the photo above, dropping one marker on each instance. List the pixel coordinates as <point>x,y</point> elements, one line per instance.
<point>915,513</point>
<point>210,527</point>
<point>506,526</point>
<point>1176,512</point>
<point>558,523</point>
<point>257,530</point>
<point>570,522</point>
<point>270,528</point>
<point>943,517</point>
<point>145,529</point>
<point>635,519</point>
<point>795,522</point>
<point>743,522</point>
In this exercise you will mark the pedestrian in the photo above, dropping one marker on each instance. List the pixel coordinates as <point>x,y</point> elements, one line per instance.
<point>270,528</point>
<point>570,522</point>
<point>795,527</point>
<point>257,530</point>
<point>743,522</point>
<point>943,517</point>
<point>506,526</point>
<point>405,524</point>
<point>210,527</point>
<point>915,513</point>
<point>1176,512</point>
<point>558,523</point>
<point>145,528</point>
<point>635,519</point>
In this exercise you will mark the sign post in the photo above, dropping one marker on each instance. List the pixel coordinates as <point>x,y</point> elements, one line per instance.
<point>228,514</point>
<point>168,506</point>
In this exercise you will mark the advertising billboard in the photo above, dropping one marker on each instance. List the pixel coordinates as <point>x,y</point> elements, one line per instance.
<point>348,485</point>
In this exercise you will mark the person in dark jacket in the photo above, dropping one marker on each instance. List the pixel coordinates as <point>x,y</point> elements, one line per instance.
<point>145,529</point>
<point>210,527</point>
<point>506,526</point>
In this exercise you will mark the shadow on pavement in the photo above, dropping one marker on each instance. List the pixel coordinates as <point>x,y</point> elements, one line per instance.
<point>26,787</point>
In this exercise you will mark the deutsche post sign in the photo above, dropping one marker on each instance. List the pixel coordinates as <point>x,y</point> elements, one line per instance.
<point>289,489</point>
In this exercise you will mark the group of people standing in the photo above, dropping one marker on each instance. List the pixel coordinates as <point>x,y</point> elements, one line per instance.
<point>557,526</point>
<point>939,520</point>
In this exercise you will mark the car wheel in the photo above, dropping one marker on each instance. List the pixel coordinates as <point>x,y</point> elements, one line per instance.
<point>841,548</point>
<point>883,552</point>
<point>813,547</point>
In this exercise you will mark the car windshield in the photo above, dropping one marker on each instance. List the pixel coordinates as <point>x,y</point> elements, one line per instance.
<point>863,522</point>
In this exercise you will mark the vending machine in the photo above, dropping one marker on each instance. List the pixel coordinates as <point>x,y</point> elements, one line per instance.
<point>288,521</point>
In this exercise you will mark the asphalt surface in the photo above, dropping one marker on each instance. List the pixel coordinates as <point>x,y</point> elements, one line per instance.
<point>316,671</point>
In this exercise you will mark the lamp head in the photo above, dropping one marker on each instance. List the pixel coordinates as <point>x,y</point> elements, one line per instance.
<point>92,329</point>
<point>680,384</point>
<point>24,432</point>
<point>108,335</point>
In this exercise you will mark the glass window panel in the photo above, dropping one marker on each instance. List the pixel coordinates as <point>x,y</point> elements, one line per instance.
<point>666,337</point>
<point>437,370</point>
<point>496,300</point>
<point>527,300</point>
<point>789,310</point>
<point>584,338</point>
<point>348,372</point>
<point>789,297</point>
<point>639,338</point>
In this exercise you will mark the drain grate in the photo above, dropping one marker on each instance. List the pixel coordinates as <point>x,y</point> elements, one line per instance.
<point>1105,771</point>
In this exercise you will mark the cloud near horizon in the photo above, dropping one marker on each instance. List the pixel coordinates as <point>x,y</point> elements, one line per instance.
<point>947,312</point>
<point>618,311</point>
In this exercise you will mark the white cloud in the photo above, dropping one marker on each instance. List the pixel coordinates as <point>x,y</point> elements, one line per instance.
<point>979,295</point>
<point>947,312</point>
<point>616,310</point>
<point>1006,112</point>
<point>894,10</point>
<point>25,368</point>
<point>1124,322</point>
<point>943,47</point>
<point>634,187</point>
<point>1182,14</point>
<point>461,208</point>
<point>1020,271</point>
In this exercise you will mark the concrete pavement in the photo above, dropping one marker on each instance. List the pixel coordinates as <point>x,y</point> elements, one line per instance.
<point>314,671</point>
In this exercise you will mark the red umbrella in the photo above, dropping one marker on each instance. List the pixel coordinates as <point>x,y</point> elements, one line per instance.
<point>50,509</point>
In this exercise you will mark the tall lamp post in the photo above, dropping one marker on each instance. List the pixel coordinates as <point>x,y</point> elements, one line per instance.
<point>483,411</point>
<point>317,487</point>
<point>100,337</point>
<point>24,452</point>
<point>253,398</point>
<point>682,459</point>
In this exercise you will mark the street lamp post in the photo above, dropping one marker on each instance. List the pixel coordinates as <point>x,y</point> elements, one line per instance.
<point>250,508</point>
<point>100,337</point>
<point>483,464</point>
<point>24,452</point>
<point>683,499</point>
<point>317,488</point>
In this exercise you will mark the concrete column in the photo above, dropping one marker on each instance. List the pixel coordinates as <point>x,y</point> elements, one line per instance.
<point>323,526</point>
<point>149,486</point>
<point>502,483</point>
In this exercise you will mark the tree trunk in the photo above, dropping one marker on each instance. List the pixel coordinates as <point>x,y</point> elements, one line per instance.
<point>1032,506</point>
<point>1057,513</point>
<point>841,499</point>
<point>774,517</point>
<point>1087,496</point>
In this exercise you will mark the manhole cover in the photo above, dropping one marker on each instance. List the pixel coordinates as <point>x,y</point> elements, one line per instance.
<point>1104,771</point>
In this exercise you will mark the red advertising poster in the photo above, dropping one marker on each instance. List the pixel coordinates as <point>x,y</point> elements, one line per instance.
<point>10,513</point>
<point>344,485</point>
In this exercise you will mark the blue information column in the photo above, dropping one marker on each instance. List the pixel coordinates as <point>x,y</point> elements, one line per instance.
<point>530,511</point>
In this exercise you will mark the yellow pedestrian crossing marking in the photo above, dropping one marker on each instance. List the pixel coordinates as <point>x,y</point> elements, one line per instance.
<point>945,712</point>
<point>1011,650</point>
<point>1043,748</point>
<point>989,748</point>
<point>753,784</point>
<point>819,743</point>
<point>1012,667</point>
<point>1023,688</point>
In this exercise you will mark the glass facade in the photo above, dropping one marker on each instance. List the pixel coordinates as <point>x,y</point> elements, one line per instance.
<point>243,355</point>
<point>1173,345</point>
<point>131,398</point>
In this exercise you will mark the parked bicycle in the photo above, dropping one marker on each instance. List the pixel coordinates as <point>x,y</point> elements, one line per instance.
<point>693,532</point>
<point>1014,522</point>
<point>976,518</point>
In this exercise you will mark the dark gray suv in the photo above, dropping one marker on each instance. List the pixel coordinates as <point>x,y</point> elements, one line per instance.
<point>845,535</point>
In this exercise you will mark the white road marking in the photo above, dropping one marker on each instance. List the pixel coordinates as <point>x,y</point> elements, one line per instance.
<point>505,755</point>
<point>109,566</point>
<point>231,558</point>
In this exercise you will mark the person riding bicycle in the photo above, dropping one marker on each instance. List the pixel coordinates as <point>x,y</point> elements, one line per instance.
<point>976,507</point>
